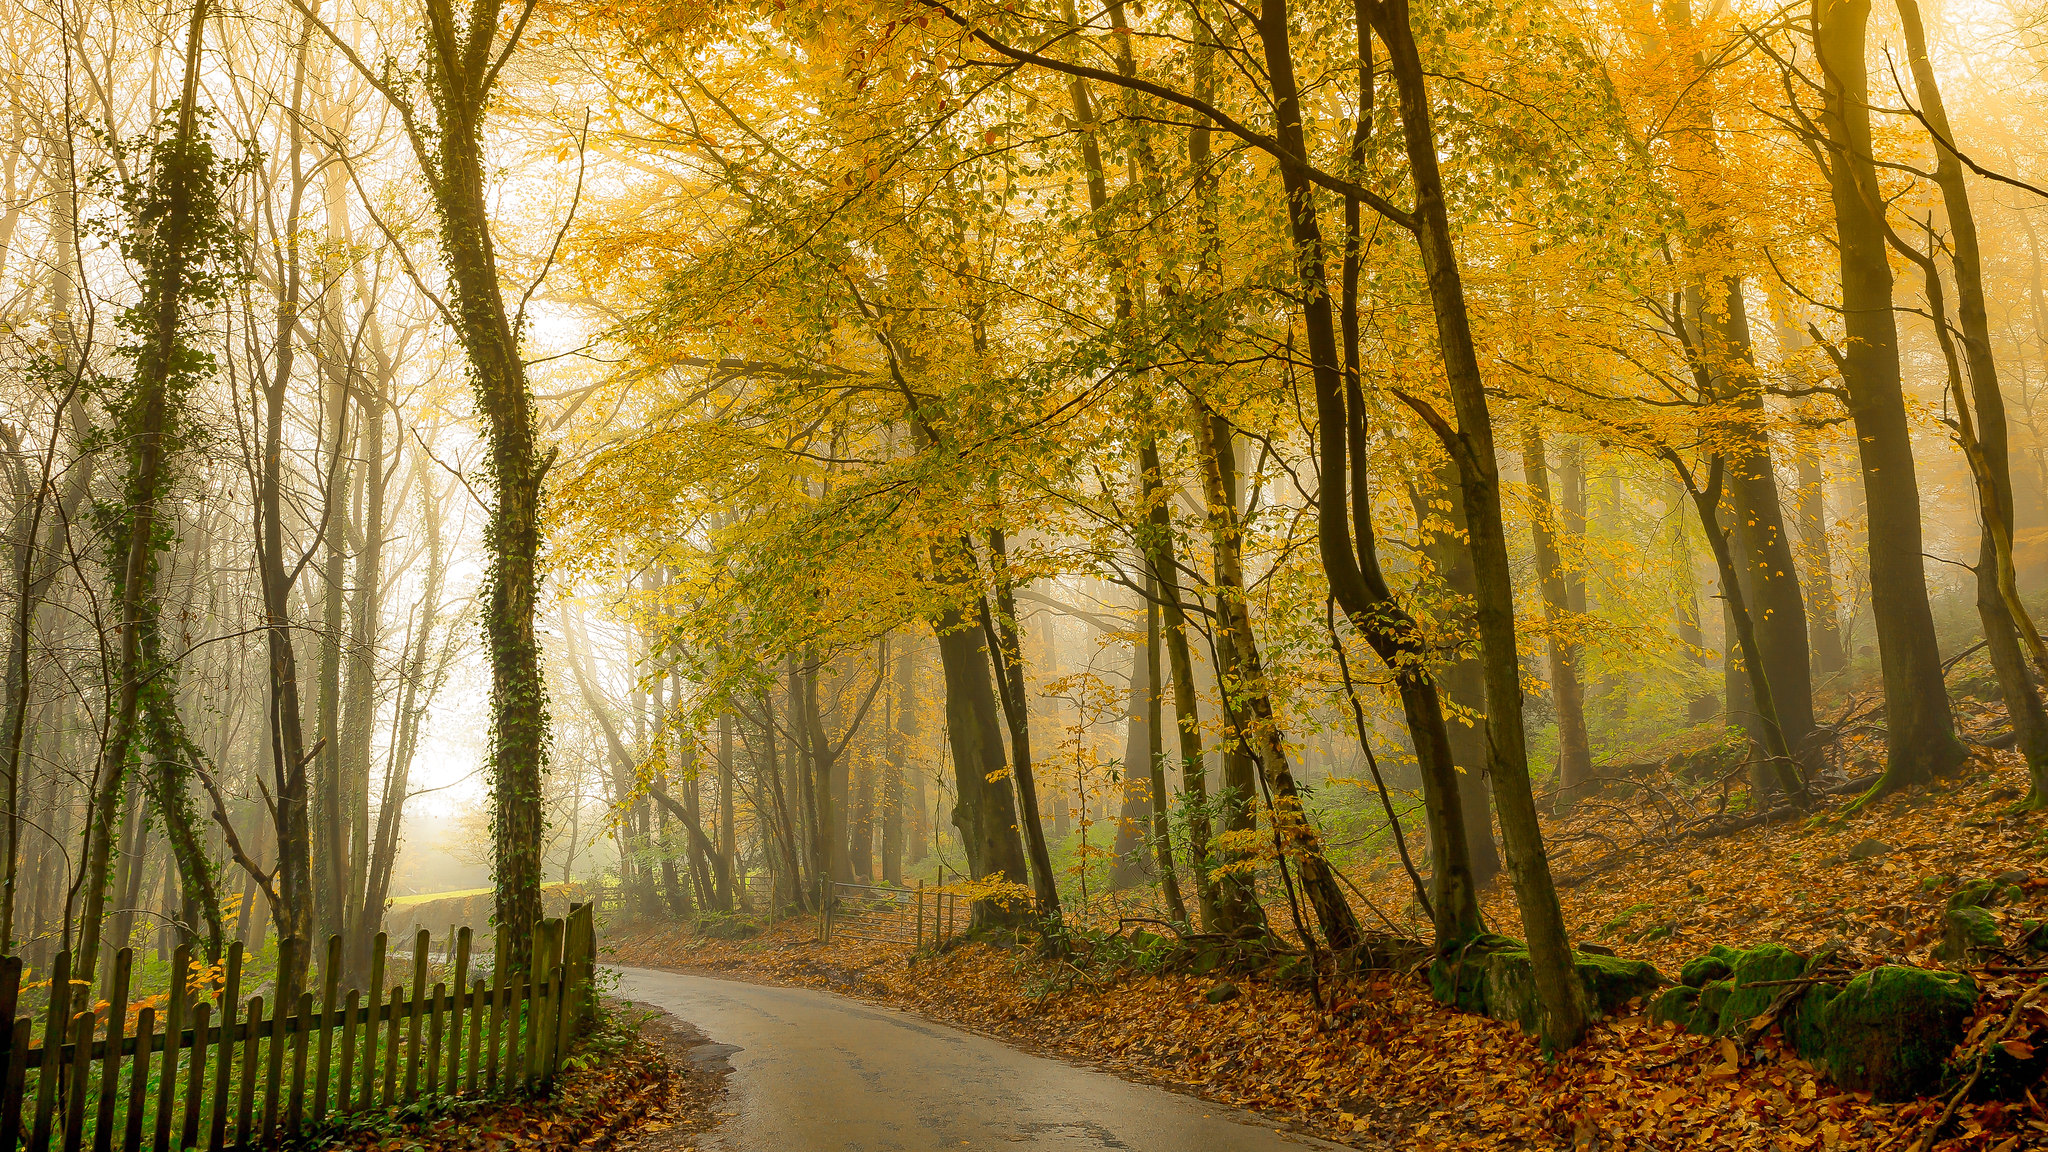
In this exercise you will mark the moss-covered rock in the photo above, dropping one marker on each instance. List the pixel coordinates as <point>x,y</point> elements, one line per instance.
<point>1965,932</point>
<point>1606,984</point>
<point>1678,1004</point>
<point>1460,981</point>
<point>1975,894</point>
<point>1892,1028</point>
<point>1717,964</point>
<point>1805,1023</point>
<point>1713,997</point>
<point>1763,964</point>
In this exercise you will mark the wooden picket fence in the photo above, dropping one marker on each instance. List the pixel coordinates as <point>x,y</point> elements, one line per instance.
<point>223,1075</point>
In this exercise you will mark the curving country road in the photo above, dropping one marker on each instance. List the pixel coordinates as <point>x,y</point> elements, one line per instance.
<point>814,1072</point>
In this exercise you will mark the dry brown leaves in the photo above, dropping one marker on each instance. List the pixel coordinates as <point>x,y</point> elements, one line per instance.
<point>1387,1063</point>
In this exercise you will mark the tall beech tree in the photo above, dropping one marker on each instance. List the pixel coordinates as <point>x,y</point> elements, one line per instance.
<point>1920,728</point>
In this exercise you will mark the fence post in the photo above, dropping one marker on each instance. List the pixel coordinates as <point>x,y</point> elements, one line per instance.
<point>920,916</point>
<point>580,961</point>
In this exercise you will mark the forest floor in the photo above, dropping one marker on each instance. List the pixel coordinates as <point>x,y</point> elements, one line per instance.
<point>1386,1061</point>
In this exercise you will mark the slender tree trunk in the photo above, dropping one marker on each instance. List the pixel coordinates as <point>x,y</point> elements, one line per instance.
<point>1777,752</point>
<point>1161,561</point>
<point>727,832</point>
<point>1237,907</point>
<point>902,734</point>
<point>1471,444</point>
<point>1009,663</point>
<point>1155,759</point>
<point>1575,751</point>
<point>1131,845</point>
<point>1999,607</point>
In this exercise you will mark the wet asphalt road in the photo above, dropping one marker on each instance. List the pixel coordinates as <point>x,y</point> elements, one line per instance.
<point>814,1072</point>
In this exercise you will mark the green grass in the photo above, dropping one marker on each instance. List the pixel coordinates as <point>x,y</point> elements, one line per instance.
<point>427,897</point>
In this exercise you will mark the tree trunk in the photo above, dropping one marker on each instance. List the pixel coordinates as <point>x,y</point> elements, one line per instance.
<point>1155,760</point>
<point>1463,683</point>
<point>1131,846</point>
<point>1575,750</point>
<point>171,259</point>
<point>1998,603</point>
<point>727,832</point>
<point>460,57</point>
<point>1471,444</point>
<point>1922,742</point>
<point>1237,902</point>
<point>985,812</point>
<point>1008,653</point>
<point>1161,560</point>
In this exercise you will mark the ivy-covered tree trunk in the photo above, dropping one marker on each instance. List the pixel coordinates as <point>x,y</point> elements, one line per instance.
<point>463,56</point>
<point>175,233</point>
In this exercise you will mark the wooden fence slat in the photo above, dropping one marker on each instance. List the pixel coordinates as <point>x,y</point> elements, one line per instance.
<point>367,1094</point>
<point>273,1056</point>
<point>138,1083</point>
<point>558,1010</point>
<point>434,1021</point>
<point>330,983</point>
<point>81,1071</point>
<point>391,1048</point>
<point>295,1110</point>
<point>477,992</point>
<point>174,1028</point>
<point>543,1028</point>
<point>420,943</point>
<point>56,1023</point>
<point>17,1081</point>
<point>195,1076</point>
<point>344,1096</point>
<point>110,1062</point>
<point>245,1094</point>
<point>456,981</point>
<point>10,1001</point>
<point>224,1065</point>
<point>492,1045</point>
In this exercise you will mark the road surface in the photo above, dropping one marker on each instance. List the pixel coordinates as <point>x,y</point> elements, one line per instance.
<point>814,1072</point>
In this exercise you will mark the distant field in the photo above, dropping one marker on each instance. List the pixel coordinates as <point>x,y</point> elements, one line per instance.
<point>424,897</point>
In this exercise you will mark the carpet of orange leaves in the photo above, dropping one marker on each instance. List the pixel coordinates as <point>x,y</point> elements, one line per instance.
<point>1385,1064</point>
